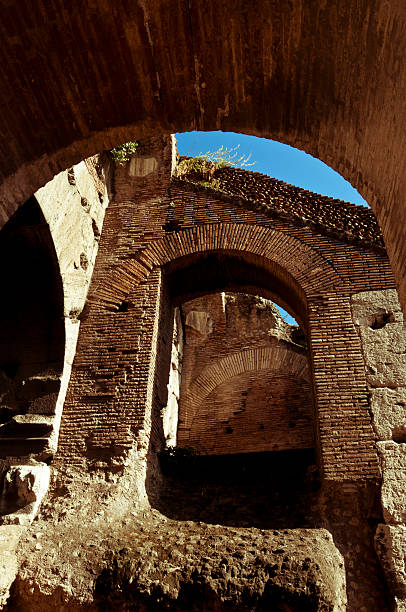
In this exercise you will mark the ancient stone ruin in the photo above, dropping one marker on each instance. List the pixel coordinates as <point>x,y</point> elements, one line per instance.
<point>167,440</point>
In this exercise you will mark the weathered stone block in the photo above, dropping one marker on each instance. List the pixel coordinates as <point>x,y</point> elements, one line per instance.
<point>9,537</point>
<point>393,491</point>
<point>388,413</point>
<point>390,544</point>
<point>24,487</point>
<point>380,320</point>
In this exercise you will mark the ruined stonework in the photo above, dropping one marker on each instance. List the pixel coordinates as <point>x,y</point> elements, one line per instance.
<point>325,77</point>
<point>57,233</point>
<point>379,319</point>
<point>298,521</point>
<point>245,383</point>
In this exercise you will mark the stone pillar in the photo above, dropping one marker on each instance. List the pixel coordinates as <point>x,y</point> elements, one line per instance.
<point>348,457</point>
<point>379,321</point>
<point>346,437</point>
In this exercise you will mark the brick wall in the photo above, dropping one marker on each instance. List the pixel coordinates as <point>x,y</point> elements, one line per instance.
<point>245,385</point>
<point>228,243</point>
<point>166,241</point>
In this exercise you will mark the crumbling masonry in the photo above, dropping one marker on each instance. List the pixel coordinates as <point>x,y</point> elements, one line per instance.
<point>297,498</point>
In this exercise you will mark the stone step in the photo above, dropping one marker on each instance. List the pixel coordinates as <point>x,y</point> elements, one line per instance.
<point>27,426</point>
<point>19,447</point>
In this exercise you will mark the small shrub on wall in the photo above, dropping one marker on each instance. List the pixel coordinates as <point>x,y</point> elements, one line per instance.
<point>122,153</point>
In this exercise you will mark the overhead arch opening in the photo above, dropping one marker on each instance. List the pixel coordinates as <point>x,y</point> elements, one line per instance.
<point>270,157</point>
<point>195,275</point>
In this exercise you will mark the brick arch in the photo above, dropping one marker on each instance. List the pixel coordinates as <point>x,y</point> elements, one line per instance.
<point>181,66</point>
<point>311,273</point>
<point>278,358</point>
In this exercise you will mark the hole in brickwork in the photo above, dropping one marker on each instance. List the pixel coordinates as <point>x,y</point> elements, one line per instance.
<point>124,306</point>
<point>379,320</point>
<point>171,226</point>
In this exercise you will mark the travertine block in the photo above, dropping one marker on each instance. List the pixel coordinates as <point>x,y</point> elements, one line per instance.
<point>380,320</point>
<point>393,491</point>
<point>388,413</point>
<point>9,537</point>
<point>390,544</point>
<point>24,487</point>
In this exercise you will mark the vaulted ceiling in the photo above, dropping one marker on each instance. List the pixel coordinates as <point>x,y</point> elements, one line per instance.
<point>81,76</point>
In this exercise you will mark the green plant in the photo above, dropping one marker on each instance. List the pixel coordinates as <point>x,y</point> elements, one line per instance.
<point>121,154</point>
<point>213,183</point>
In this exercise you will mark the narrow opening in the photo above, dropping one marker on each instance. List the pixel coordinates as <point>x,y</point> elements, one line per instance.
<point>381,319</point>
<point>32,335</point>
<point>238,423</point>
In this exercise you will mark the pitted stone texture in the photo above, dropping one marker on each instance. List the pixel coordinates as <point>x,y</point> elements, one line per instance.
<point>9,537</point>
<point>73,204</point>
<point>113,562</point>
<point>24,487</point>
<point>389,414</point>
<point>380,320</point>
<point>393,458</point>
<point>390,544</point>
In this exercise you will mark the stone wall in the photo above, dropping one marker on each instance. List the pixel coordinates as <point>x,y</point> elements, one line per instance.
<point>312,73</point>
<point>74,204</point>
<point>379,320</point>
<point>55,236</point>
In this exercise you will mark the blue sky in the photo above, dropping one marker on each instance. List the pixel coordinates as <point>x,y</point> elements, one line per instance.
<point>277,160</point>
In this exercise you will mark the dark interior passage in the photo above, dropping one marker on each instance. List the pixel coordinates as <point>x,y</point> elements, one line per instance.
<point>32,336</point>
<point>274,490</point>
